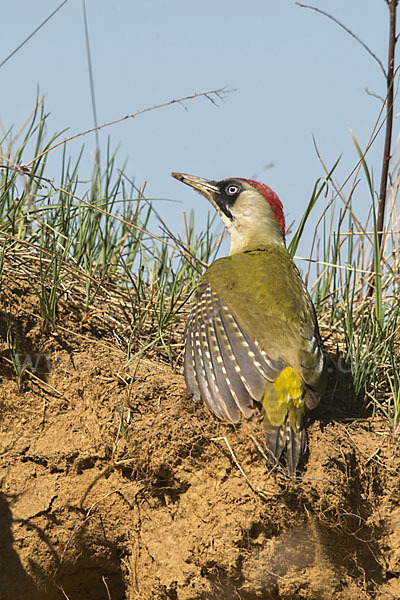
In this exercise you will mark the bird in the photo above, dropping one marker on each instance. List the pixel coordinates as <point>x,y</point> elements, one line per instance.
<point>252,341</point>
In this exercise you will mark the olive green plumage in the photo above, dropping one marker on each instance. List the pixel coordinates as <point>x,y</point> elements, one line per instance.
<point>264,291</point>
<point>252,336</point>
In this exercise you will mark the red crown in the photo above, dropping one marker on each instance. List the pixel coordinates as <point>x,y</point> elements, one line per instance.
<point>272,200</point>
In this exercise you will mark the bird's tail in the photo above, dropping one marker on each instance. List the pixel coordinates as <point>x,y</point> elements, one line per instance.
<point>284,413</point>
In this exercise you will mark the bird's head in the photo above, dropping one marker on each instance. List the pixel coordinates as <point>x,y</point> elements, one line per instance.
<point>251,211</point>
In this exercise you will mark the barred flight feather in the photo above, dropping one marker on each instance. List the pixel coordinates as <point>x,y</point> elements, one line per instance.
<point>189,361</point>
<point>221,393</point>
<point>218,385</point>
<point>204,376</point>
<point>201,378</point>
<point>274,366</point>
<point>226,389</point>
<point>268,367</point>
<point>253,381</point>
<point>239,391</point>
<point>222,362</point>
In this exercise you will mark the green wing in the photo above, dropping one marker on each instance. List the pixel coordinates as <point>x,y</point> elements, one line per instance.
<point>222,364</point>
<point>251,318</point>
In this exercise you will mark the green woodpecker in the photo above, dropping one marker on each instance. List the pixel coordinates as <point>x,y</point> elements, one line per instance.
<point>252,335</point>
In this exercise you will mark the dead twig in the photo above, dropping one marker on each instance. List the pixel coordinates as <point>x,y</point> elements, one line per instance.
<point>256,490</point>
<point>389,74</point>
<point>217,93</point>
<point>347,30</point>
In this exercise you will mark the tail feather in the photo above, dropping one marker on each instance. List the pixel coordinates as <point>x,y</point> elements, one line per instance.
<point>275,440</point>
<point>284,410</point>
<point>296,443</point>
<point>284,440</point>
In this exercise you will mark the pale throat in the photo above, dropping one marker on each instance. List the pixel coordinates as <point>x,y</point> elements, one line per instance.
<point>253,224</point>
<point>250,234</point>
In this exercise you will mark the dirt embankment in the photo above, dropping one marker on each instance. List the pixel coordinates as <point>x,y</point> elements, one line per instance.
<point>158,508</point>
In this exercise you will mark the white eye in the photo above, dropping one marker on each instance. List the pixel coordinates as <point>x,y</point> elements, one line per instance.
<point>231,190</point>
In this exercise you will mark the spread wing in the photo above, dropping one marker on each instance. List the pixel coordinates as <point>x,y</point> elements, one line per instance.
<point>229,369</point>
<point>222,364</point>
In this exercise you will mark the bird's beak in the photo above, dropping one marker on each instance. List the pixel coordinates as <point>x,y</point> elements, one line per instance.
<point>204,186</point>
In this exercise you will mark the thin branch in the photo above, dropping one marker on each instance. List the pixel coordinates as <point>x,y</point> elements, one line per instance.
<point>374,95</point>
<point>353,35</point>
<point>389,121</point>
<point>387,151</point>
<point>211,99</point>
<point>130,116</point>
<point>32,34</point>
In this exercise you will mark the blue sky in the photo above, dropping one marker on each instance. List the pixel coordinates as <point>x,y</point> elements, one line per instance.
<point>295,73</point>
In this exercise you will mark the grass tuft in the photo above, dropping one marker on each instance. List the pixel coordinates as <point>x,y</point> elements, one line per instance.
<point>89,247</point>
